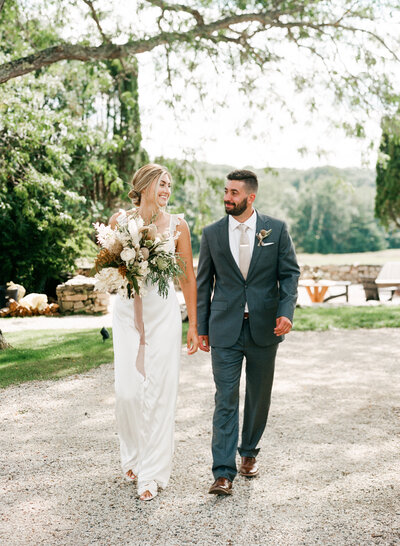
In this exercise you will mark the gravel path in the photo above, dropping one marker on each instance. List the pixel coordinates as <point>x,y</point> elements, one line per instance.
<point>329,458</point>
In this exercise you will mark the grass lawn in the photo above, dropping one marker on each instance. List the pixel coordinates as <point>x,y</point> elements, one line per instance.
<point>53,354</point>
<point>349,318</point>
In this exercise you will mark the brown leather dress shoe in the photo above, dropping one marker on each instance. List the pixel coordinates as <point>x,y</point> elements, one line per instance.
<point>221,486</point>
<point>249,467</point>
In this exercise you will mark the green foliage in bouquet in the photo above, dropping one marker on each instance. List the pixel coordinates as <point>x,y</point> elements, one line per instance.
<point>162,269</point>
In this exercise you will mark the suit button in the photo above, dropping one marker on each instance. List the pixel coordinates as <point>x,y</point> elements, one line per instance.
<point>245,285</point>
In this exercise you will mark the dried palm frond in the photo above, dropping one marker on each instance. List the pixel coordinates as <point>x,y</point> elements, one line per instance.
<point>104,259</point>
<point>122,269</point>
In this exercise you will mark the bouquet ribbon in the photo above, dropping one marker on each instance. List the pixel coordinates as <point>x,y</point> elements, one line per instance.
<point>139,324</point>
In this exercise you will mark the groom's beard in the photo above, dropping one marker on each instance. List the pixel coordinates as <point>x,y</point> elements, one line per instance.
<point>236,210</point>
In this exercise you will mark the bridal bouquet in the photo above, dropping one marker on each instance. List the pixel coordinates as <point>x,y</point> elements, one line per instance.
<point>131,255</point>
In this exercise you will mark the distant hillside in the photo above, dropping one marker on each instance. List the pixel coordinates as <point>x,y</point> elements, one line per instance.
<point>279,187</point>
<point>328,210</point>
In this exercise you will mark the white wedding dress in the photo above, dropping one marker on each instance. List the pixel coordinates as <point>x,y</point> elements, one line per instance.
<point>145,405</point>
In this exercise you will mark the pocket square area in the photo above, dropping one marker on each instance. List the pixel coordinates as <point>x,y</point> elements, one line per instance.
<point>267,244</point>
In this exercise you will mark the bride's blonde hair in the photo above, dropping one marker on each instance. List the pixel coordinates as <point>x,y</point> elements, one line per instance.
<point>143,178</point>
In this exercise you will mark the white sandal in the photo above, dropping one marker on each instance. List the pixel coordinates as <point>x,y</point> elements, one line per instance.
<point>148,487</point>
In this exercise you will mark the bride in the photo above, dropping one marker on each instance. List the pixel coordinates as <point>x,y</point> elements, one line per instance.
<point>146,399</point>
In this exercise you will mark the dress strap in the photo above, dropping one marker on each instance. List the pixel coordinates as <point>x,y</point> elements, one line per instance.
<point>174,222</point>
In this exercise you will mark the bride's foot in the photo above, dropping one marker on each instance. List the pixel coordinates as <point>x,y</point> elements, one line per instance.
<point>130,476</point>
<point>148,491</point>
<point>146,496</point>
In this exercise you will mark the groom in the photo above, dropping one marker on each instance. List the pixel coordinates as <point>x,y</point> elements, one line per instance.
<point>247,289</point>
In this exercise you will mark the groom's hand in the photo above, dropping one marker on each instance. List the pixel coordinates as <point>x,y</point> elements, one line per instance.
<point>204,346</point>
<point>283,326</point>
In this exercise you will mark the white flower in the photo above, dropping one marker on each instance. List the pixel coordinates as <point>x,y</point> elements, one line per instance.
<point>104,233</point>
<point>128,255</point>
<point>140,222</point>
<point>109,280</point>
<point>133,231</point>
<point>123,236</point>
<point>160,245</point>
<point>108,238</point>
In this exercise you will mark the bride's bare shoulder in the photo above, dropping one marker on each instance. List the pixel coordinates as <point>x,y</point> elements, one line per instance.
<point>113,221</point>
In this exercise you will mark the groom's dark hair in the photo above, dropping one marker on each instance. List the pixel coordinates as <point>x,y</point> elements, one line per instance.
<point>248,177</point>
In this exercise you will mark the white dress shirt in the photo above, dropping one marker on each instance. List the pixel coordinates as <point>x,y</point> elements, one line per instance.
<point>234,237</point>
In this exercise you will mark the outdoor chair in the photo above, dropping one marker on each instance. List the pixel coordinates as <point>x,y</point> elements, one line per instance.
<point>370,288</point>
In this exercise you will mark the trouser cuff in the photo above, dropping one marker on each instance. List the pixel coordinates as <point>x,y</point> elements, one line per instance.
<point>248,452</point>
<point>230,474</point>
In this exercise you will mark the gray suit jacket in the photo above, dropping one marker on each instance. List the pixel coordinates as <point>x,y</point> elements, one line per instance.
<point>270,288</point>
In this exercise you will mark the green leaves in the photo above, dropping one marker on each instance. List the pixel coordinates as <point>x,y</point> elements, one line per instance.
<point>387,200</point>
<point>332,216</point>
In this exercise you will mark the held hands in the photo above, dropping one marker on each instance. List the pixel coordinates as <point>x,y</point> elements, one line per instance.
<point>283,326</point>
<point>192,340</point>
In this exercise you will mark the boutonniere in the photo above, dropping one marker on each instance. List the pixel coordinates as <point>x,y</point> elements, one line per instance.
<point>263,235</point>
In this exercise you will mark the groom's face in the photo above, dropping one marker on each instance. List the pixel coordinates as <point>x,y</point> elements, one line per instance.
<point>236,199</point>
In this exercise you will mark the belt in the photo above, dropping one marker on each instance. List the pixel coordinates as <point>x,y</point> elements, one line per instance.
<point>246,315</point>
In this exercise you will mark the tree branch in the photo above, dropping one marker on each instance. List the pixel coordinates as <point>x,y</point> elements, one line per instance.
<point>178,7</point>
<point>2,4</point>
<point>207,31</point>
<point>95,18</point>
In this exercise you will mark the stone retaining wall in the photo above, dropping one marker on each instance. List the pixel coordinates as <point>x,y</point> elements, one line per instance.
<point>353,273</point>
<point>78,296</point>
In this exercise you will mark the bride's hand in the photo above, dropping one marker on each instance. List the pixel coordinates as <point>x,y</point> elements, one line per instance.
<point>192,340</point>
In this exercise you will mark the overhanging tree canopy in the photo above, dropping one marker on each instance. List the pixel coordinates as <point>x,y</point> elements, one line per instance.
<point>353,45</point>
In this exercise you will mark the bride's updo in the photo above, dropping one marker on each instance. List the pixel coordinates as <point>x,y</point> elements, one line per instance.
<point>143,178</point>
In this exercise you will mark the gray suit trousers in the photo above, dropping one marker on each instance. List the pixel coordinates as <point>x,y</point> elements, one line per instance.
<point>227,367</point>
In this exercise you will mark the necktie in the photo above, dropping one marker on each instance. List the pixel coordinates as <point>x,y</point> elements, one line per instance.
<point>244,250</point>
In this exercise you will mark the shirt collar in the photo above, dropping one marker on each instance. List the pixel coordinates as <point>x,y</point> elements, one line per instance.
<point>250,222</point>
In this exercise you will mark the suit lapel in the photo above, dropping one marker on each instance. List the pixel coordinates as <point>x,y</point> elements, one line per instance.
<point>223,240</point>
<point>262,223</point>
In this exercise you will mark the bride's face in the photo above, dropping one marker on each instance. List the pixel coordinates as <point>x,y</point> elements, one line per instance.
<point>163,191</point>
